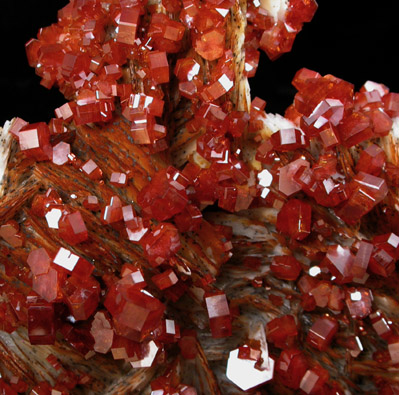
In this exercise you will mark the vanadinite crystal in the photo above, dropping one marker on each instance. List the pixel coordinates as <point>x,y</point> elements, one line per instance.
<point>294,219</point>
<point>164,220</point>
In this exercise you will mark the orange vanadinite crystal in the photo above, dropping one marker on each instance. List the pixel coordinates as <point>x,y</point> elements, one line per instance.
<point>10,232</point>
<point>39,261</point>
<point>127,25</point>
<point>34,140</point>
<point>72,228</point>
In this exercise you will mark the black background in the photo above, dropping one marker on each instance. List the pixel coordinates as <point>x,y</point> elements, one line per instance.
<point>351,39</point>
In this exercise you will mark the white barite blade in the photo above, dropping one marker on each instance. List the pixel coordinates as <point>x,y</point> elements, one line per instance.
<point>5,150</point>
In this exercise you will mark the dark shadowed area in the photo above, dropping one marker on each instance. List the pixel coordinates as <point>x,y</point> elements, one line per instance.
<point>355,43</point>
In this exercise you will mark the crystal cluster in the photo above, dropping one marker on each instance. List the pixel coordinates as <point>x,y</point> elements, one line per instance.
<point>131,265</point>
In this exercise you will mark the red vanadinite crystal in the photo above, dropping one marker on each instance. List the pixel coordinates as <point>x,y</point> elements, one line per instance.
<point>135,313</point>
<point>359,302</point>
<point>39,261</point>
<point>285,267</point>
<point>102,332</point>
<point>91,203</point>
<point>298,200</point>
<point>339,260</point>
<point>165,279</point>
<point>219,314</point>
<point>313,380</point>
<point>61,152</point>
<point>371,160</point>
<point>82,296</point>
<point>161,243</point>
<point>47,284</point>
<point>34,140</point>
<point>291,366</point>
<point>92,171</point>
<point>282,331</point>
<point>11,234</point>
<point>72,263</point>
<point>165,195</point>
<point>366,192</point>
<point>73,229</point>
<point>41,323</point>
<point>381,325</point>
<point>294,219</point>
<point>188,344</point>
<point>322,332</point>
<point>112,213</point>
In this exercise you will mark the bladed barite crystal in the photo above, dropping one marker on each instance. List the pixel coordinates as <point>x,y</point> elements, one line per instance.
<point>110,248</point>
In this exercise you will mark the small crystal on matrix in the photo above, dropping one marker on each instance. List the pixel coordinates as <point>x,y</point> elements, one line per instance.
<point>219,314</point>
<point>81,296</point>
<point>34,140</point>
<point>72,228</point>
<point>282,331</point>
<point>10,232</point>
<point>39,261</point>
<point>322,332</point>
<point>161,243</point>
<point>291,366</point>
<point>41,324</point>
<point>294,219</point>
<point>285,267</point>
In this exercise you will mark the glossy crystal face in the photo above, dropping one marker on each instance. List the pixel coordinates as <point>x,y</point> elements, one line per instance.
<point>164,219</point>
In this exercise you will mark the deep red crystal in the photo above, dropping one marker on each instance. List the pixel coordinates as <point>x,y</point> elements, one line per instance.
<point>322,332</point>
<point>282,331</point>
<point>294,219</point>
<point>219,314</point>
<point>285,267</point>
